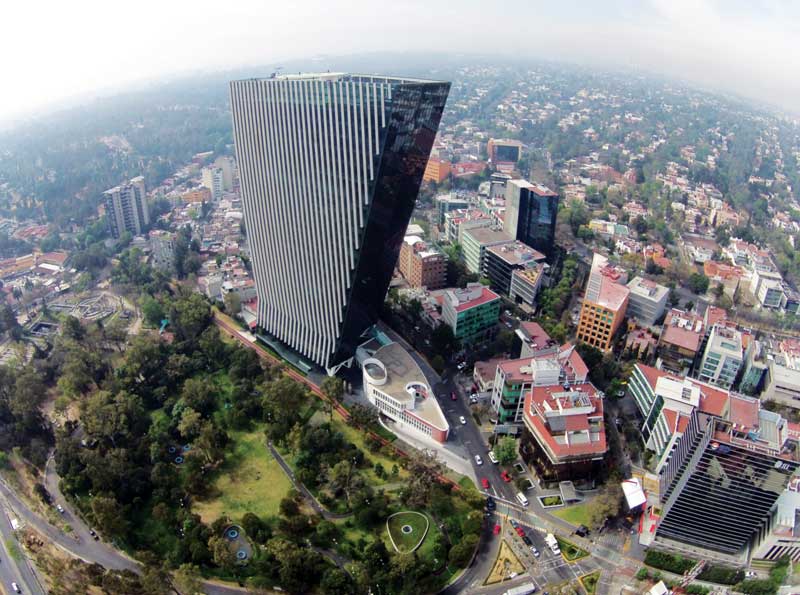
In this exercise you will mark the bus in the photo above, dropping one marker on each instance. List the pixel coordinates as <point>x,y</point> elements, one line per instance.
<point>525,589</point>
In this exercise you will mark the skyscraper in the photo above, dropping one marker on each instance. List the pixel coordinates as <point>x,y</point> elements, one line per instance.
<point>330,166</point>
<point>531,212</point>
<point>126,208</point>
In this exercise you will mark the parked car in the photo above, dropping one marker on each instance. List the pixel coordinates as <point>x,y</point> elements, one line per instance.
<point>485,483</point>
<point>94,534</point>
<point>583,531</point>
<point>15,586</point>
<point>520,531</point>
<point>506,477</point>
<point>497,529</point>
<point>463,420</point>
<point>490,504</point>
<point>453,396</point>
<point>492,458</point>
<point>514,523</point>
<point>60,508</point>
<point>534,551</point>
<point>478,460</point>
<point>527,540</point>
<point>473,400</point>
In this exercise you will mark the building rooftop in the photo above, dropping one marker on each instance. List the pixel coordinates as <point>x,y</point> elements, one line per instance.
<point>683,329</point>
<point>647,289</point>
<point>487,235</point>
<point>405,382</point>
<point>516,253</point>
<point>472,296</point>
<point>569,422</point>
<point>345,76</point>
<point>713,400</point>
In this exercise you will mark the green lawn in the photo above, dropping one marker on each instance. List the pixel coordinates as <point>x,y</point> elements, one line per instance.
<point>250,480</point>
<point>589,582</point>
<point>408,542</point>
<point>577,515</point>
<point>570,551</point>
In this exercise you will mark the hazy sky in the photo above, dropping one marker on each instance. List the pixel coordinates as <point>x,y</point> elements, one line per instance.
<point>55,50</point>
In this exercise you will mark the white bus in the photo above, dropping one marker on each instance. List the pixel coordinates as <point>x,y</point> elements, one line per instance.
<point>525,589</point>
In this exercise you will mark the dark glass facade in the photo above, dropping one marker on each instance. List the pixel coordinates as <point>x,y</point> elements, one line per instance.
<point>536,225</point>
<point>412,126</point>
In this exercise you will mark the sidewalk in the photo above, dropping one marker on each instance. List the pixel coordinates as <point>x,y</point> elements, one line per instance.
<point>446,453</point>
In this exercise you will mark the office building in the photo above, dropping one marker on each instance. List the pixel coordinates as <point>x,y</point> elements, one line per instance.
<point>722,463</point>
<point>680,341</point>
<point>330,167</point>
<point>525,284</point>
<point>213,179</point>
<point>126,208</point>
<point>437,171</point>
<point>564,437</point>
<point>459,221</point>
<point>647,300</point>
<point>504,150</point>
<point>723,356</point>
<point>446,203</point>
<point>395,384</point>
<point>545,365</point>
<point>420,265</point>
<point>720,486</point>
<point>502,260</point>
<point>604,304</point>
<point>530,216</point>
<point>475,242</point>
<point>472,313</point>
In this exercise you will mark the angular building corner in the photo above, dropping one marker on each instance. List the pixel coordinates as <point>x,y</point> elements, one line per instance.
<point>330,168</point>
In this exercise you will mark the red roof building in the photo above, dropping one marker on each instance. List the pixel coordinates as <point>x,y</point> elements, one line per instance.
<point>565,436</point>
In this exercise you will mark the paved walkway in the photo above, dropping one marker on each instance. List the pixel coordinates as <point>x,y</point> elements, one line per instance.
<point>303,490</point>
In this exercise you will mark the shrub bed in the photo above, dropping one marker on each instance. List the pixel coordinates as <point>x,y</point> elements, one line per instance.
<point>669,562</point>
<point>721,575</point>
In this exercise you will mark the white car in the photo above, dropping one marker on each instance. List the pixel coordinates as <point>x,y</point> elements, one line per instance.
<point>750,574</point>
<point>16,588</point>
<point>492,458</point>
<point>462,420</point>
<point>478,460</point>
<point>60,508</point>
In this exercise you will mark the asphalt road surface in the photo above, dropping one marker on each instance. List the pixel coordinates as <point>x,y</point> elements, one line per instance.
<point>18,571</point>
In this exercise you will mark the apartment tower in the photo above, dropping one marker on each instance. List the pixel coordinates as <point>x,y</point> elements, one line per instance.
<point>126,208</point>
<point>330,166</point>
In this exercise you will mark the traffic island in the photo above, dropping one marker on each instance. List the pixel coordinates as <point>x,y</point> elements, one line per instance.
<point>505,565</point>
<point>570,551</point>
<point>589,582</point>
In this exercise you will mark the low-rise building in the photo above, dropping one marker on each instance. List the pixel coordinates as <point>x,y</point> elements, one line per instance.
<point>525,284</point>
<point>420,265</point>
<point>646,301</point>
<point>395,384</point>
<point>782,382</point>
<point>680,341</point>
<point>564,437</point>
<point>446,203</point>
<point>472,313</point>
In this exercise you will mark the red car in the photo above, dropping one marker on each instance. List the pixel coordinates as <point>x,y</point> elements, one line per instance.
<point>497,529</point>
<point>506,477</point>
<point>454,396</point>
<point>485,483</point>
<point>520,531</point>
